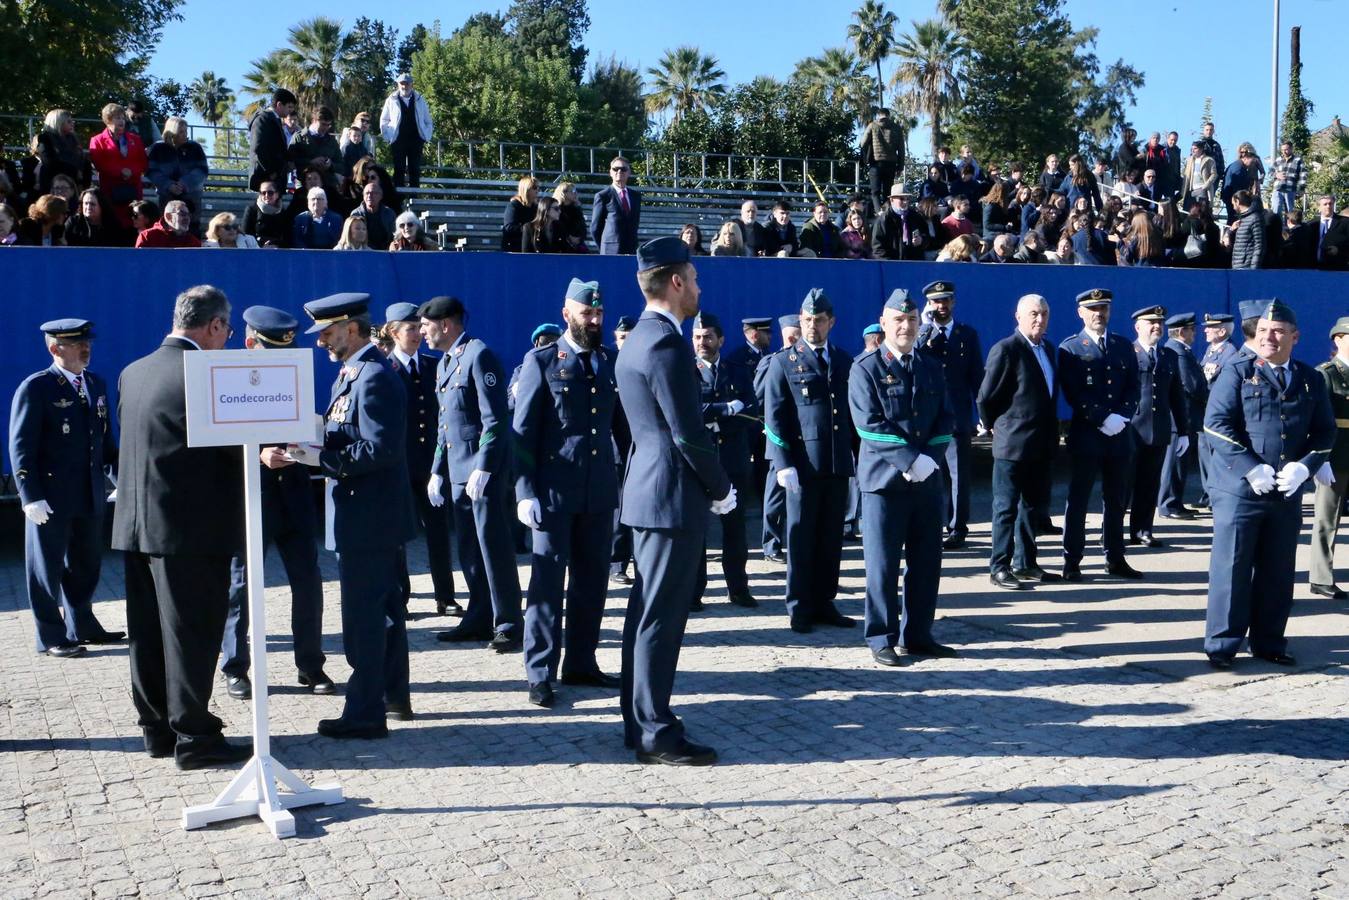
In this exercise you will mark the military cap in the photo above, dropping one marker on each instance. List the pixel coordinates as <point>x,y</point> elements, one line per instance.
<point>625,323</point>
<point>791,321</point>
<point>873,328</point>
<point>816,302</point>
<point>1217,318</point>
<point>547,328</point>
<point>69,329</point>
<point>935,290</point>
<point>587,292</point>
<point>662,251</point>
<point>1277,311</point>
<point>707,320</point>
<point>1250,309</point>
<point>1180,320</point>
<point>401,312</point>
<point>1094,297</point>
<point>757,322</point>
<point>1341,326</point>
<point>1150,314</point>
<point>897,190</point>
<point>336,308</point>
<point>899,300</point>
<point>271,325</point>
<point>442,308</point>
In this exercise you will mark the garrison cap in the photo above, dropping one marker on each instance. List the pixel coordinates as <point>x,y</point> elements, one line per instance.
<point>1094,298</point>
<point>935,290</point>
<point>587,292</point>
<point>873,328</point>
<point>1341,326</point>
<point>625,323</point>
<point>662,251</point>
<point>401,312</point>
<point>69,329</point>
<point>757,322</point>
<point>442,308</point>
<point>791,321</point>
<point>1277,311</point>
<point>336,308</point>
<point>547,328</point>
<point>816,302</point>
<point>707,320</point>
<point>900,301</point>
<point>1180,320</point>
<point>1250,309</point>
<point>274,327</point>
<point>1217,318</point>
<point>1150,314</point>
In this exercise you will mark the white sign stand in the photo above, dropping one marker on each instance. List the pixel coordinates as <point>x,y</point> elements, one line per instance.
<point>247,397</point>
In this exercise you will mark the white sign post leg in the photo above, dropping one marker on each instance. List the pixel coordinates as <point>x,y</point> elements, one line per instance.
<point>254,791</point>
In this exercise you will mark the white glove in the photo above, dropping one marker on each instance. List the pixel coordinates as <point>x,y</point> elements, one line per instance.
<point>1182,445</point>
<point>789,480</point>
<point>305,454</point>
<point>726,504</point>
<point>1113,424</point>
<point>922,467</point>
<point>112,498</point>
<point>530,513</point>
<point>477,484</point>
<point>1291,477</point>
<point>434,489</point>
<point>980,430</point>
<point>1261,478</point>
<point>38,511</point>
<point>736,407</point>
<point>1325,475</point>
<point>713,426</point>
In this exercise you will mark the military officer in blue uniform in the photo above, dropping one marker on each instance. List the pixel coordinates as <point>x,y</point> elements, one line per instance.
<point>1177,465</point>
<point>809,432</point>
<point>1270,426</point>
<point>1098,372</point>
<point>417,371</point>
<point>545,334</point>
<point>955,346</point>
<point>731,414</point>
<point>366,463</point>
<point>290,524</point>
<point>1218,330</point>
<point>901,409</point>
<point>672,479</point>
<point>774,497</point>
<point>758,334</point>
<point>59,445</point>
<point>620,554</point>
<point>1161,413</point>
<point>566,490</point>
<point>473,458</point>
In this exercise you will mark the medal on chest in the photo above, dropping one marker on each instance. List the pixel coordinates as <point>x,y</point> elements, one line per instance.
<point>65,427</point>
<point>340,408</point>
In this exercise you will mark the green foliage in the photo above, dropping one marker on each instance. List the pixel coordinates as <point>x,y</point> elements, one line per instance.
<point>369,74</point>
<point>1206,115</point>
<point>873,34</point>
<point>415,40</point>
<point>685,79</point>
<point>1296,113</point>
<point>1101,103</point>
<point>1330,169</point>
<point>551,28</point>
<point>928,75</point>
<point>839,78</point>
<point>613,111</point>
<point>211,97</point>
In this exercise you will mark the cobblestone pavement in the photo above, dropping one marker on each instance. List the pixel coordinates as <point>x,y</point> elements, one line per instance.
<point>1079,745</point>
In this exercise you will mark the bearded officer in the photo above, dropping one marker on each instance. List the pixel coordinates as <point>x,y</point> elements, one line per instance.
<point>1333,477</point>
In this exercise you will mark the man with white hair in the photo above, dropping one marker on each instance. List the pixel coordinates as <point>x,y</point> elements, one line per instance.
<point>173,230</point>
<point>405,123</point>
<point>318,228</point>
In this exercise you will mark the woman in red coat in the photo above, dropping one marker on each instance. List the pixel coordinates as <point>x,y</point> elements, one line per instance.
<point>119,157</point>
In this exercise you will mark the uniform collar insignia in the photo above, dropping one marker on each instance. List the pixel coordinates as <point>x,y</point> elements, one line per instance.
<point>889,357</point>
<point>459,351</point>
<point>60,379</point>
<point>562,354</point>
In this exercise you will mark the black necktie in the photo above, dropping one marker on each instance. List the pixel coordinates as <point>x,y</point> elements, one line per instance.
<point>79,389</point>
<point>1152,359</point>
<point>585,364</point>
<point>938,341</point>
<point>412,366</point>
<point>824,363</point>
<point>1281,378</point>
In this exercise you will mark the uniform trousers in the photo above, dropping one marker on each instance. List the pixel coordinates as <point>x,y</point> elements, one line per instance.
<point>1020,497</point>
<point>1250,585</point>
<point>1175,477</point>
<point>955,471</point>
<point>374,633</point>
<point>63,558</point>
<point>487,558</point>
<point>1145,479</point>
<point>903,521</point>
<point>574,548</point>
<point>1114,474</point>
<point>815,544</point>
<point>774,513</point>
<point>435,522</point>
<point>1326,524</point>
<point>734,549</point>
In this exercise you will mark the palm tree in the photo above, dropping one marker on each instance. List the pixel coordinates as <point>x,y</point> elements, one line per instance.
<point>839,78</point>
<point>873,34</point>
<point>269,73</point>
<point>685,79</point>
<point>319,54</point>
<point>928,73</point>
<point>211,97</point>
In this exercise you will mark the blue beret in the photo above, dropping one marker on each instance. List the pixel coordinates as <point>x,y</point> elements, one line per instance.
<point>707,320</point>
<point>757,322</point>
<point>547,328</point>
<point>1277,311</point>
<point>662,251</point>
<point>442,308</point>
<point>625,323</point>
<point>587,292</point>
<point>1251,309</point>
<point>899,300</point>
<point>1150,314</point>
<point>935,290</point>
<point>873,328</point>
<point>792,321</point>
<point>1180,320</point>
<point>274,326</point>
<point>1217,318</point>
<point>816,302</point>
<point>69,329</point>
<point>336,308</point>
<point>1094,297</point>
<point>401,312</point>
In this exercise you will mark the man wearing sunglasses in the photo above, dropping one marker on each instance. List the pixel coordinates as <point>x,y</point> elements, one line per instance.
<point>617,212</point>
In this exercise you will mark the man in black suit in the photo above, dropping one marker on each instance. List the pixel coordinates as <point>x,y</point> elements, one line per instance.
<point>1323,243</point>
<point>179,518</point>
<point>617,212</point>
<point>1017,401</point>
<point>267,144</point>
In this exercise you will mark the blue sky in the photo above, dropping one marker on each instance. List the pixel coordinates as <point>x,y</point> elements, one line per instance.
<point>1188,49</point>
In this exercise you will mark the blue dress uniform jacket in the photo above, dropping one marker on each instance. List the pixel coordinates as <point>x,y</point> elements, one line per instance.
<point>1162,411</point>
<point>899,415</point>
<point>1215,357</point>
<point>1176,469</point>
<point>774,498</point>
<point>564,458</point>
<point>962,362</point>
<point>719,384</point>
<point>1249,422</point>
<point>58,447</point>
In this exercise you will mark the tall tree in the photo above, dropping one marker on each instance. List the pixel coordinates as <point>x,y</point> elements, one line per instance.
<point>1101,102</point>
<point>1299,108</point>
<point>369,76</point>
<point>265,76</point>
<point>211,97</point>
<point>837,76</point>
<point>613,109</point>
<point>685,79</point>
<point>873,34</point>
<point>551,28</point>
<point>320,55</point>
<point>927,76</point>
<point>411,44</point>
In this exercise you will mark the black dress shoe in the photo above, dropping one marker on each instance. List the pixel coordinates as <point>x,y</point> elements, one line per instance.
<point>1328,590</point>
<point>1220,661</point>
<point>696,606</point>
<point>953,541</point>
<point>65,651</point>
<point>222,753</point>
<point>1035,573</point>
<point>1004,579</point>
<point>541,694</point>
<point>775,557</point>
<point>591,679</point>
<point>105,637</point>
<point>801,625</point>
<point>835,618</point>
<point>744,600</point>
<point>449,608</point>
<point>1072,572</point>
<point>887,656</point>
<point>937,651</point>
<point>1047,528</point>
<point>620,578</point>
<point>239,687</point>
<point>399,712</point>
<point>1183,512</point>
<point>317,682</point>
<point>460,635</point>
<point>342,730</point>
<point>1146,539</point>
<point>502,642</point>
<point>158,744</point>
<point>1279,659</point>
<point>685,753</point>
<point>1122,569</point>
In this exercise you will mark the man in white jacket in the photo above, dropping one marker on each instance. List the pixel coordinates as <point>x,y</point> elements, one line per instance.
<point>405,124</point>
